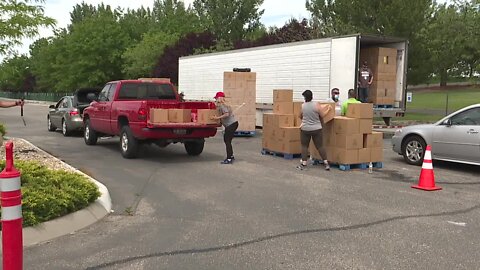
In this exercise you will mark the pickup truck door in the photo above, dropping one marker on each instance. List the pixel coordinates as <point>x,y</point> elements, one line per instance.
<point>97,116</point>
<point>104,108</point>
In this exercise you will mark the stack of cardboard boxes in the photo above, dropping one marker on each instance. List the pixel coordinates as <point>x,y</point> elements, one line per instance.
<point>349,139</point>
<point>383,63</point>
<point>164,116</point>
<point>240,91</point>
<point>281,129</point>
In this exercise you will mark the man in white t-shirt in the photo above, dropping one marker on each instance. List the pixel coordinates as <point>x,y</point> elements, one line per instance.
<point>334,97</point>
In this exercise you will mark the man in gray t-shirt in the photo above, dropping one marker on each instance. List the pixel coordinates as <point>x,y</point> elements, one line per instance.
<point>365,79</point>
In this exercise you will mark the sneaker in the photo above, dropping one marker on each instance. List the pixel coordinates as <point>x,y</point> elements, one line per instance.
<point>301,167</point>
<point>232,158</point>
<point>327,166</point>
<point>227,161</point>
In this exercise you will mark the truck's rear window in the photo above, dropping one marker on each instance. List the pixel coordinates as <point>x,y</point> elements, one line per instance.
<point>147,91</point>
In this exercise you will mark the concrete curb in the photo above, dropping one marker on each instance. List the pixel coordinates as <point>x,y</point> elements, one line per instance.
<point>73,222</point>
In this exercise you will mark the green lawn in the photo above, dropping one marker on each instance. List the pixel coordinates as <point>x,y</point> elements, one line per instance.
<point>437,99</point>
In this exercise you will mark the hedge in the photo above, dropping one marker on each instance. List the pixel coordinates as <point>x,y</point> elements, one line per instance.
<point>48,194</point>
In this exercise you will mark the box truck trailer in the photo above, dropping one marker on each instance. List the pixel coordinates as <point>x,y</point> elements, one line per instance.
<point>318,65</point>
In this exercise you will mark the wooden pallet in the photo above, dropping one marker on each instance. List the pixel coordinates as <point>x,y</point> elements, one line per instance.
<point>245,133</point>
<point>384,106</point>
<point>279,154</point>
<point>347,167</point>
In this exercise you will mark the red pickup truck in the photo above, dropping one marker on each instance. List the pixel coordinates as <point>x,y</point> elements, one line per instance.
<point>123,108</point>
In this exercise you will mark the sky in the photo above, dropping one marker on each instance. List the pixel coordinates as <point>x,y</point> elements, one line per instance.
<point>275,14</point>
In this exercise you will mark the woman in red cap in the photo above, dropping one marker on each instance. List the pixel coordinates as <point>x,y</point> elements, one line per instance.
<point>229,122</point>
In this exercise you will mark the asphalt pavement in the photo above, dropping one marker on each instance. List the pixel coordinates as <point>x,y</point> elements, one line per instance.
<point>173,211</point>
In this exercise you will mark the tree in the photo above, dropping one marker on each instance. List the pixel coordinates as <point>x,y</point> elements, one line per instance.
<point>445,40</point>
<point>20,19</point>
<point>230,20</point>
<point>93,52</point>
<point>400,18</point>
<point>172,17</point>
<point>15,74</point>
<point>140,59</point>
<point>470,53</point>
<point>167,64</point>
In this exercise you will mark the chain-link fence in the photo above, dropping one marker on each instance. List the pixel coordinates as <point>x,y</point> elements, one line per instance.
<point>53,97</point>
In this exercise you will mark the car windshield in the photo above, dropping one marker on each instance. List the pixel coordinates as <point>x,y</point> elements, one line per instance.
<point>146,90</point>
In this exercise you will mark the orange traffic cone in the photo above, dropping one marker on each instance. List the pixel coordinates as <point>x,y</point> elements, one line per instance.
<point>427,178</point>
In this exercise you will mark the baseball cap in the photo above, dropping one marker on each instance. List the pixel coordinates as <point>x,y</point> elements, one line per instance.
<point>219,94</point>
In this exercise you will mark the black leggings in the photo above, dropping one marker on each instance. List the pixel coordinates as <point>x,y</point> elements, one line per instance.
<point>317,137</point>
<point>228,137</point>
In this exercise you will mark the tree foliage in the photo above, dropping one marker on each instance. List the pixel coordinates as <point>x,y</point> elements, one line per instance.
<point>230,20</point>
<point>20,19</point>
<point>167,65</point>
<point>140,59</point>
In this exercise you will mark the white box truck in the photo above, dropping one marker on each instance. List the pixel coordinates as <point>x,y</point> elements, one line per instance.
<point>318,65</point>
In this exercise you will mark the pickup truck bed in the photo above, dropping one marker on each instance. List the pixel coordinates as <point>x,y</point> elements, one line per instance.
<point>123,109</point>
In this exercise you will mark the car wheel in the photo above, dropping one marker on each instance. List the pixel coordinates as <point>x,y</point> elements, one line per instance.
<point>194,148</point>
<point>65,130</point>
<point>50,126</point>
<point>89,135</point>
<point>413,150</point>
<point>128,143</point>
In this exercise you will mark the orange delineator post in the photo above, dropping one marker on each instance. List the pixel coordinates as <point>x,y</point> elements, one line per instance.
<point>11,202</point>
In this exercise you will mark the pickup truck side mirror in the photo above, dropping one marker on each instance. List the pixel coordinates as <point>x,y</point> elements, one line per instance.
<point>51,107</point>
<point>92,97</point>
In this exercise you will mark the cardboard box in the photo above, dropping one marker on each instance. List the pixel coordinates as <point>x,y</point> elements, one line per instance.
<point>364,155</point>
<point>376,154</point>
<point>282,95</point>
<point>158,116</point>
<point>344,156</point>
<point>290,147</point>
<point>346,125</point>
<point>283,107</point>
<point>366,126</point>
<point>278,120</point>
<point>179,115</point>
<point>289,134</point>
<point>360,110</point>
<point>297,108</point>
<point>349,141</point>
<point>375,139</point>
<point>327,110</point>
<point>204,116</point>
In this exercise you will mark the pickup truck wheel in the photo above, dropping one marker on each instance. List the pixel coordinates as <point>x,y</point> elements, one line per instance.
<point>194,148</point>
<point>128,143</point>
<point>89,135</point>
<point>65,130</point>
<point>50,126</point>
<point>413,150</point>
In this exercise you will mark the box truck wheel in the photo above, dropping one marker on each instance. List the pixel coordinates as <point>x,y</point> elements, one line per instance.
<point>194,148</point>
<point>387,120</point>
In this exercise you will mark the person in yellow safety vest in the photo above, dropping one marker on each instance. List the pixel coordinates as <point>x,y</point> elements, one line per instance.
<point>351,99</point>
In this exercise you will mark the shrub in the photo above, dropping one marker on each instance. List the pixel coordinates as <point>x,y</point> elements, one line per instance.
<point>48,194</point>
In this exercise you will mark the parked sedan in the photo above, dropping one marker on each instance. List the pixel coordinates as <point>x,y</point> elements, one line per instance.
<point>67,113</point>
<point>455,138</point>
